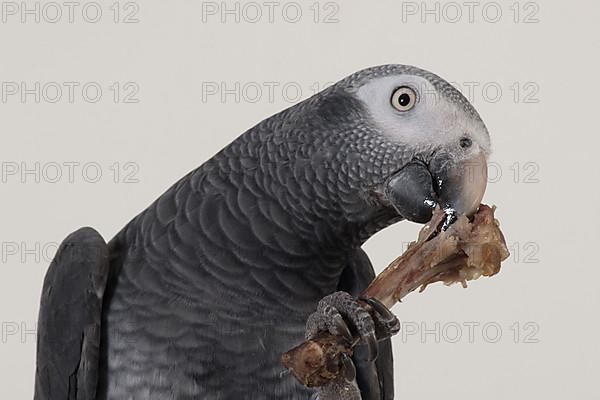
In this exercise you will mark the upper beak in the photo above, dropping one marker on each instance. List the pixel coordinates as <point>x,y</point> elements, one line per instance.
<point>460,186</point>
<point>456,186</point>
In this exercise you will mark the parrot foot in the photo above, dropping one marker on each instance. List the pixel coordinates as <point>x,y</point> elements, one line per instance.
<point>341,314</point>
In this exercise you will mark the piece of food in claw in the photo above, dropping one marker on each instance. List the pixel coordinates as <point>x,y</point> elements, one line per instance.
<point>322,356</point>
<point>464,251</point>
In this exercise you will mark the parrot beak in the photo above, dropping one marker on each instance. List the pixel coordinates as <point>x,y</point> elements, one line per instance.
<point>460,186</point>
<point>456,186</point>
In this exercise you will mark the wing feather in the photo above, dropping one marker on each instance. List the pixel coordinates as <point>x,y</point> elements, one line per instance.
<point>69,319</point>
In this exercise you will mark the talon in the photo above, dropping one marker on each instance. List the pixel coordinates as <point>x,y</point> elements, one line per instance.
<point>342,328</point>
<point>372,347</point>
<point>349,368</point>
<point>387,317</point>
<point>378,306</point>
<point>395,328</point>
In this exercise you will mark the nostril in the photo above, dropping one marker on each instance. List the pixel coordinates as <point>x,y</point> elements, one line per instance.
<point>465,143</point>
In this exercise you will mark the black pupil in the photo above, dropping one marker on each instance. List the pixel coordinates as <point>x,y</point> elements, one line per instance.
<point>465,142</point>
<point>404,99</point>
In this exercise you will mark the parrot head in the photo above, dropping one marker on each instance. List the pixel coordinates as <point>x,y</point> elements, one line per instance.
<point>444,143</point>
<point>397,138</point>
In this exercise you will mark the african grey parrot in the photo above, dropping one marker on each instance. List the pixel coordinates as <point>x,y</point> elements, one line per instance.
<point>259,248</point>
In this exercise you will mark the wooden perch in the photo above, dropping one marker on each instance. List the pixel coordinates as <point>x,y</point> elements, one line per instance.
<point>465,251</point>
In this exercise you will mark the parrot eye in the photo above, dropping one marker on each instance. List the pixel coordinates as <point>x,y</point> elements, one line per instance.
<point>404,98</point>
<point>465,143</point>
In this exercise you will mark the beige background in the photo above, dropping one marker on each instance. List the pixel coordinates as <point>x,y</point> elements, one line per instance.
<point>548,287</point>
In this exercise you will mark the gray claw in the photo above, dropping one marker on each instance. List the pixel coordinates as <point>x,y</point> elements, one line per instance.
<point>387,317</point>
<point>372,346</point>
<point>378,306</point>
<point>349,368</point>
<point>342,328</point>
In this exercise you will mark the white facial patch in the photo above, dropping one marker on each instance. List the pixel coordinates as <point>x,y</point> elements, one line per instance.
<point>434,122</point>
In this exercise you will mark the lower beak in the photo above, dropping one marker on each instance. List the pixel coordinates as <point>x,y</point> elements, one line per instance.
<point>457,186</point>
